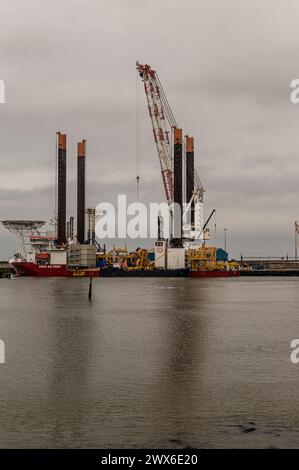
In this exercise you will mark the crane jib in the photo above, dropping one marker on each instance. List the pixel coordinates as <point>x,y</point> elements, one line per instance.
<point>159,125</point>
<point>180,182</point>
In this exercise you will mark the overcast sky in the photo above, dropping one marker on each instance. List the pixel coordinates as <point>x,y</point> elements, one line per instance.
<point>226,66</point>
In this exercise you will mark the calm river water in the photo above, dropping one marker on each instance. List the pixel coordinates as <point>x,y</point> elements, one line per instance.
<point>171,363</point>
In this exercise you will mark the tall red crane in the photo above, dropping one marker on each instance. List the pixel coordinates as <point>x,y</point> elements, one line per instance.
<point>163,122</point>
<point>153,92</point>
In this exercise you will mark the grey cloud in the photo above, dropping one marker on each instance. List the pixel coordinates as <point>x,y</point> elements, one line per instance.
<point>226,69</point>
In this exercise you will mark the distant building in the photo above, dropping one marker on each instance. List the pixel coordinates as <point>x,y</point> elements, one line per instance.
<point>221,255</point>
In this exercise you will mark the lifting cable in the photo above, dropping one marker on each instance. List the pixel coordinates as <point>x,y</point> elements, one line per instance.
<point>138,126</point>
<point>56,195</point>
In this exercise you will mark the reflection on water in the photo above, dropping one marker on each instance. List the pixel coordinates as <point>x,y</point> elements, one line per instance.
<point>149,363</point>
<point>70,348</point>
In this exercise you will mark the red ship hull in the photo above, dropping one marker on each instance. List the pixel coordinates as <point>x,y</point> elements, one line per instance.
<point>61,270</point>
<point>55,270</point>
<point>216,273</point>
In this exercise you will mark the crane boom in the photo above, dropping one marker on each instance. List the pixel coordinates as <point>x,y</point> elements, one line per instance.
<point>161,134</point>
<point>162,119</point>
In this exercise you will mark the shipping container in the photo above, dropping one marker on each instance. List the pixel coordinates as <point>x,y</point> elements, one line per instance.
<point>57,256</point>
<point>176,258</point>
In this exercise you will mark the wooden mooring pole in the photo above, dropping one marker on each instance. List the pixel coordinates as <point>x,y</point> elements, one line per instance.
<point>90,288</point>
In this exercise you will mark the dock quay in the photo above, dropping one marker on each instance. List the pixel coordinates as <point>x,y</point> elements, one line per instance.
<point>269,266</point>
<point>5,269</point>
